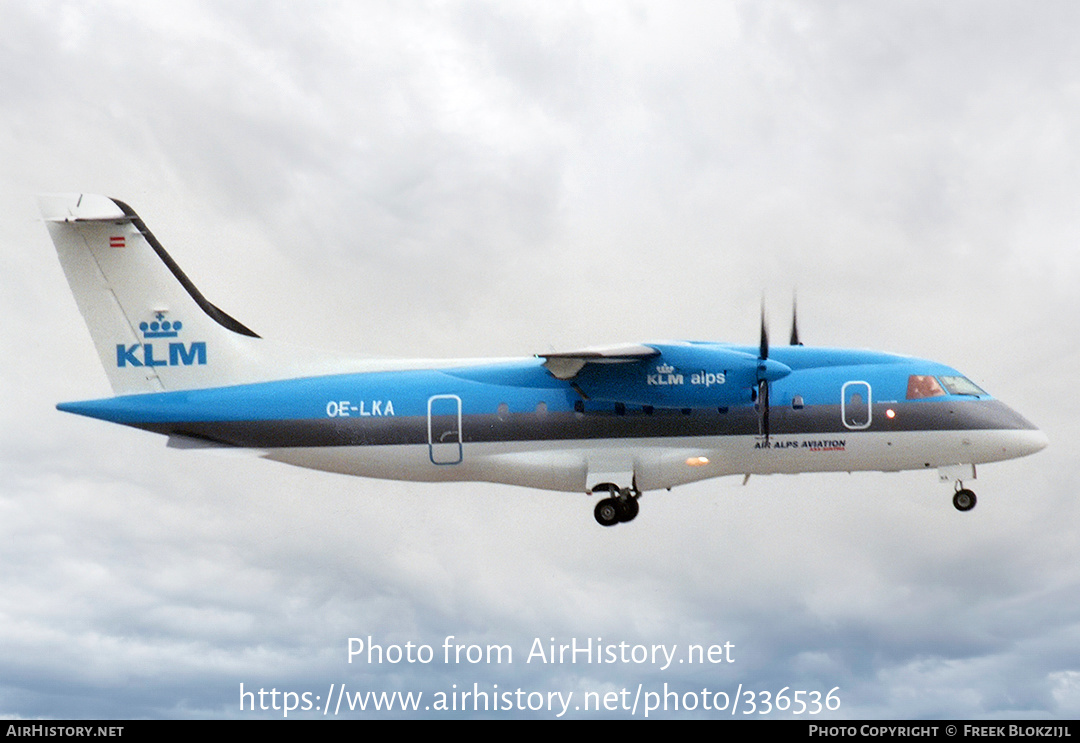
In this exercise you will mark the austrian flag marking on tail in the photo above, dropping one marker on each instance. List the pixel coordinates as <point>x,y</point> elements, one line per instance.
<point>117,241</point>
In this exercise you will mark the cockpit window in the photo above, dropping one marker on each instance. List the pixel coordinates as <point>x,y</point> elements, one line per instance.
<point>920,386</point>
<point>961,386</point>
<point>923,385</point>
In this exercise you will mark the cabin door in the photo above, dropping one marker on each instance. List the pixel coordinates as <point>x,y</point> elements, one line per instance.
<point>444,429</point>
<point>855,405</point>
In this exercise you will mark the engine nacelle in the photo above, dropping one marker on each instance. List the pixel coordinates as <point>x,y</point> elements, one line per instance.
<point>680,376</point>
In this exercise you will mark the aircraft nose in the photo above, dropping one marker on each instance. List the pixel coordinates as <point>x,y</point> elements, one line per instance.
<point>1015,436</point>
<point>1022,441</point>
<point>1031,441</point>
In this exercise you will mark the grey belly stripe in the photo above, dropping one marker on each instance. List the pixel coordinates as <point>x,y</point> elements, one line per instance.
<point>560,426</point>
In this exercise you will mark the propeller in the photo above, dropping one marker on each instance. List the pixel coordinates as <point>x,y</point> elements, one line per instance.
<point>762,381</point>
<point>795,321</point>
<point>769,370</point>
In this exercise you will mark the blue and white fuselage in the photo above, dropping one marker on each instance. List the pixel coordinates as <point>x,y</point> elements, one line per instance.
<point>623,419</point>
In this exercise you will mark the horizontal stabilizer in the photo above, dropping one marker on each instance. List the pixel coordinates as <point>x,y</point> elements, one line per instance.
<point>82,208</point>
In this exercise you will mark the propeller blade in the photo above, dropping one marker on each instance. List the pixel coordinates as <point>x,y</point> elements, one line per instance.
<point>763,384</point>
<point>795,322</point>
<point>763,408</point>
<point>763,353</point>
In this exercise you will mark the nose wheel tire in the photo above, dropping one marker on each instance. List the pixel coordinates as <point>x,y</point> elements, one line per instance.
<point>964,500</point>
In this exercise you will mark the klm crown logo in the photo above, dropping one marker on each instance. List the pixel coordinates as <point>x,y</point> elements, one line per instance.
<point>178,354</point>
<point>160,328</point>
<point>665,376</point>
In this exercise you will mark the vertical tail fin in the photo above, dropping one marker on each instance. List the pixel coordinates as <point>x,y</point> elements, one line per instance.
<point>152,328</point>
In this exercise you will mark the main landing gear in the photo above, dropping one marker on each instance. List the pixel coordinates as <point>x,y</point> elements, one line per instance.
<point>963,499</point>
<point>621,506</point>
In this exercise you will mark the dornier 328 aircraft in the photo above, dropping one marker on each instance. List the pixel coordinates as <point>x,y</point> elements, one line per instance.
<point>617,421</point>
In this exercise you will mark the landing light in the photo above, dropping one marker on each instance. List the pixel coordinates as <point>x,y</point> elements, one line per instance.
<point>890,413</point>
<point>697,461</point>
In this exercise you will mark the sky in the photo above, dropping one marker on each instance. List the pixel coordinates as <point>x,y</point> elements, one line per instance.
<point>470,179</point>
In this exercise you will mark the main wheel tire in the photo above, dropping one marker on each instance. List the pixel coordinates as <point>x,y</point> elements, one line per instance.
<point>628,509</point>
<point>607,512</point>
<point>964,500</point>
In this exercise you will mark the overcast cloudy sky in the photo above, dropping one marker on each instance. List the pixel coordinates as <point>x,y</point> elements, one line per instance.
<point>497,178</point>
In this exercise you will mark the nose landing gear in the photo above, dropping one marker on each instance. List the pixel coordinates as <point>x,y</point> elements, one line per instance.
<point>963,499</point>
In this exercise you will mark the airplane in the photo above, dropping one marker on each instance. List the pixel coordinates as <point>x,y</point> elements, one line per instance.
<point>616,421</point>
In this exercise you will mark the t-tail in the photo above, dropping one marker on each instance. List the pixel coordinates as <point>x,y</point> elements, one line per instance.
<point>153,329</point>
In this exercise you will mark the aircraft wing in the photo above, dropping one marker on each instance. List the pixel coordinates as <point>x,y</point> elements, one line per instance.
<point>566,365</point>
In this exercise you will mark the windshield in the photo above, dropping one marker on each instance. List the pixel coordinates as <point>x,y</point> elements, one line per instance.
<point>961,386</point>
<point>924,385</point>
